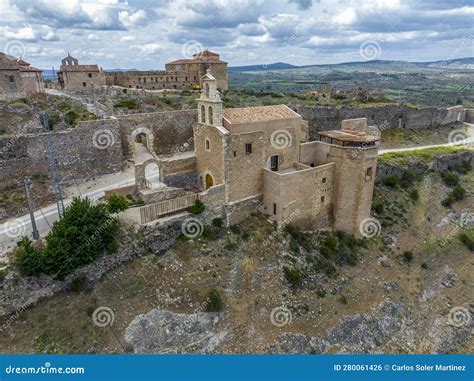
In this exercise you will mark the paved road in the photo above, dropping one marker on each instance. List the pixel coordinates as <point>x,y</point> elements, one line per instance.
<point>12,230</point>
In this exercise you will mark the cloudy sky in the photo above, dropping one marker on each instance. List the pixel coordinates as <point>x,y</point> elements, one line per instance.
<point>145,34</point>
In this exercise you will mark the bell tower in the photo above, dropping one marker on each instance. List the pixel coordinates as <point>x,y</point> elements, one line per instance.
<point>210,103</point>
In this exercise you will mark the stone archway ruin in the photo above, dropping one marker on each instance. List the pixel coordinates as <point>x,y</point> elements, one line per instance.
<point>142,135</point>
<point>148,175</point>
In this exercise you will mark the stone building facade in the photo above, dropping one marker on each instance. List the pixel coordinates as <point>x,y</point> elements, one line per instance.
<point>83,78</point>
<point>263,154</point>
<point>182,74</point>
<point>18,79</point>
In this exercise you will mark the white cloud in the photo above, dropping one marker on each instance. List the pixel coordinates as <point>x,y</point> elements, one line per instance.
<point>148,49</point>
<point>93,37</point>
<point>131,19</point>
<point>128,38</point>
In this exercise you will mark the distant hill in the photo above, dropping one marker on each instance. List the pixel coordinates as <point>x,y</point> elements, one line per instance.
<point>260,67</point>
<point>459,63</point>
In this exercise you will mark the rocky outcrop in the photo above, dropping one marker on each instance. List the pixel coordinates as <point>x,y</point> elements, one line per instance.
<point>354,334</point>
<point>161,331</point>
<point>418,167</point>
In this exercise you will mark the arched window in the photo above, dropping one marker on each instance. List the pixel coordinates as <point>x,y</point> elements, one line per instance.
<point>210,115</point>
<point>207,90</point>
<point>203,114</point>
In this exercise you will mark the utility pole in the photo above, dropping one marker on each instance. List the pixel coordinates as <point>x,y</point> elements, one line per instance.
<point>27,183</point>
<point>52,164</point>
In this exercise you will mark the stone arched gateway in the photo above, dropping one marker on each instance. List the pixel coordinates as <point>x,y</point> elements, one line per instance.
<point>146,179</point>
<point>136,136</point>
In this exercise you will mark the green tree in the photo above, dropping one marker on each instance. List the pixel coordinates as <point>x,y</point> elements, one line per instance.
<point>117,203</point>
<point>78,238</point>
<point>29,257</point>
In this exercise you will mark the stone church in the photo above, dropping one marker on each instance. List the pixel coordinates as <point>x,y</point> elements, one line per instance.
<point>262,156</point>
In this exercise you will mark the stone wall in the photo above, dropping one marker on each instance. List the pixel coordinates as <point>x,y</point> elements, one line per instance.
<point>469,116</point>
<point>11,85</point>
<point>82,81</point>
<point>75,152</point>
<point>385,117</point>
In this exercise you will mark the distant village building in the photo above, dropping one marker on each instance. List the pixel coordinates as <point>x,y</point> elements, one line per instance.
<point>18,79</point>
<point>182,74</point>
<point>74,77</point>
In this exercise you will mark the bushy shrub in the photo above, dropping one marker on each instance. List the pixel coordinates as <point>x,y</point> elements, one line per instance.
<point>414,194</point>
<point>210,232</point>
<point>218,222</point>
<point>231,246</point>
<point>29,257</point>
<point>197,208</point>
<point>78,237</point>
<point>457,194</point>
<point>215,303</point>
<point>463,168</point>
<point>391,181</point>
<point>117,203</point>
<point>294,276</point>
<point>71,118</point>
<point>126,103</point>
<point>299,236</point>
<point>449,178</point>
<point>378,207</point>
<point>79,283</point>
<point>467,238</point>
<point>408,256</point>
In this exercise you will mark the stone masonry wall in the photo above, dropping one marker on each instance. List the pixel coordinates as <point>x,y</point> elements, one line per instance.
<point>385,117</point>
<point>75,153</point>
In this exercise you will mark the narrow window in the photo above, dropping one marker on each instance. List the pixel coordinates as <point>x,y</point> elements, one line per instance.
<point>274,208</point>
<point>208,144</point>
<point>90,75</point>
<point>83,84</point>
<point>274,163</point>
<point>368,173</point>
<point>312,165</point>
<point>322,199</point>
<point>324,180</point>
<point>211,117</point>
<point>248,148</point>
<point>203,114</point>
<point>11,78</point>
<point>235,153</point>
